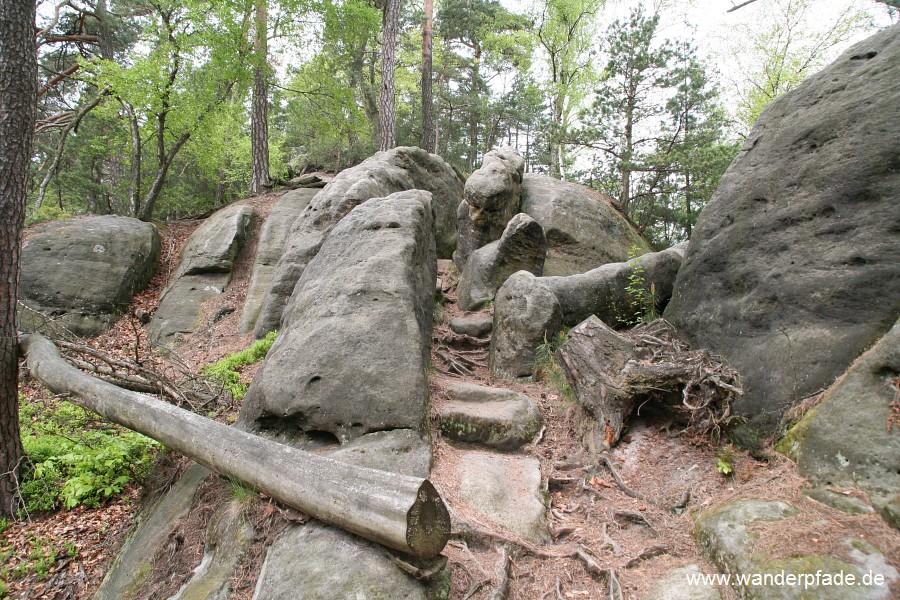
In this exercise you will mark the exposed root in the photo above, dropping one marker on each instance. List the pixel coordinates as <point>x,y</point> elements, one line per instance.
<point>646,553</point>
<point>501,590</point>
<point>607,462</point>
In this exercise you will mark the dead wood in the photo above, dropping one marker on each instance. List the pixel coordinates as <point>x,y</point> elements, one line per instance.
<point>607,462</point>
<point>401,512</point>
<point>610,373</point>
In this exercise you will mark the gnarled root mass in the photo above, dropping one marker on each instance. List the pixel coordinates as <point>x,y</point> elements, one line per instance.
<point>611,373</point>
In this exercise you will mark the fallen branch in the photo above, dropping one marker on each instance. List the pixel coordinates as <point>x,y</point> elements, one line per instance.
<point>401,512</point>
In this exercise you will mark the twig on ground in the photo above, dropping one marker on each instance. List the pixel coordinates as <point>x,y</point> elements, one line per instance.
<point>630,515</point>
<point>646,553</point>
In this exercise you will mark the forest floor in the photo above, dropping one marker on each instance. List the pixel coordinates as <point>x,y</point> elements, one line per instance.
<point>603,532</point>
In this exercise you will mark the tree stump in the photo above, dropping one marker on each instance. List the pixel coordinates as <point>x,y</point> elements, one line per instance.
<point>610,372</point>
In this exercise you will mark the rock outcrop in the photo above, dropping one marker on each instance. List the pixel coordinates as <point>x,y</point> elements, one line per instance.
<point>583,228</point>
<point>269,250</point>
<point>794,266</point>
<point>530,310</point>
<point>79,275</point>
<point>521,248</point>
<point>404,168</point>
<point>492,198</point>
<point>726,538</point>
<point>203,273</point>
<point>845,442</point>
<point>350,367</point>
<point>352,353</point>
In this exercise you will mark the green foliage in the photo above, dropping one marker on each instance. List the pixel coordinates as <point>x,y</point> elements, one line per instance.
<point>240,492</point>
<point>784,45</point>
<point>644,300</point>
<point>725,461</point>
<point>227,370</point>
<point>439,314</point>
<point>548,369</point>
<point>76,458</point>
<point>47,213</point>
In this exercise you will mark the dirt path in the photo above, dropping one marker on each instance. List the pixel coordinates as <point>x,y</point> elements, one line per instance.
<point>637,537</point>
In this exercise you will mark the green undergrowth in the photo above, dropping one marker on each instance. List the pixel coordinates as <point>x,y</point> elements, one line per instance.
<point>547,367</point>
<point>77,458</point>
<point>227,371</point>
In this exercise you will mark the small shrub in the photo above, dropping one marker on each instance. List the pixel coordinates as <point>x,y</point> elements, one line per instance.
<point>644,299</point>
<point>226,371</point>
<point>725,461</point>
<point>439,314</point>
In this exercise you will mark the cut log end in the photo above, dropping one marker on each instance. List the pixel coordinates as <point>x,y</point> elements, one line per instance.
<point>428,523</point>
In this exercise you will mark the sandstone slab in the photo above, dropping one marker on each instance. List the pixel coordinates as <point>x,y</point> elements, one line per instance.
<point>521,247</point>
<point>269,249</point>
<point>506,490</point>
<point>583,228</point>
<point>493,417</point>
<point>403,168</point>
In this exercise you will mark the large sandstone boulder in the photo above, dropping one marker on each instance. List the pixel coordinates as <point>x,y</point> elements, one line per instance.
<point>404,168</point>
<point>794,266</point>
<point>844,441</point>
<point>530,310</point>
<point>203,273</point>
<point>79,275</point>
<point>269,249</point>
<point>492,198</point>
<point>521,248</point>
<point>584,230</point>
<point>352,354</point>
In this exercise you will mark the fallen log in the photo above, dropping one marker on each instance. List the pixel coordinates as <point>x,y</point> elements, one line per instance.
<point>609,373</point>
<point>398,511</point>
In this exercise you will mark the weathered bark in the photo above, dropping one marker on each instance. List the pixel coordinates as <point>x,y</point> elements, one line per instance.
<point>18,89</point>
<point>398,511</point>
<point>609,373</point>
<point>259,115</point>
<point>388,64</point>
<point>428,141</point>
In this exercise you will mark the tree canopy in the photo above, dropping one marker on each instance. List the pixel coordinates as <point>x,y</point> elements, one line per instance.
<point>161,109</point>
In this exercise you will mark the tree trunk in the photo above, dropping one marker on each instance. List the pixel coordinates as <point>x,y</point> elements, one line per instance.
<point>60,148</point>
<point>401,512</point>
<point>259,116</point>
<point>146,211</point>
<point>388,65</point>
<point>18,93</point>
<point>607,378</point>
<point>427,141</point>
